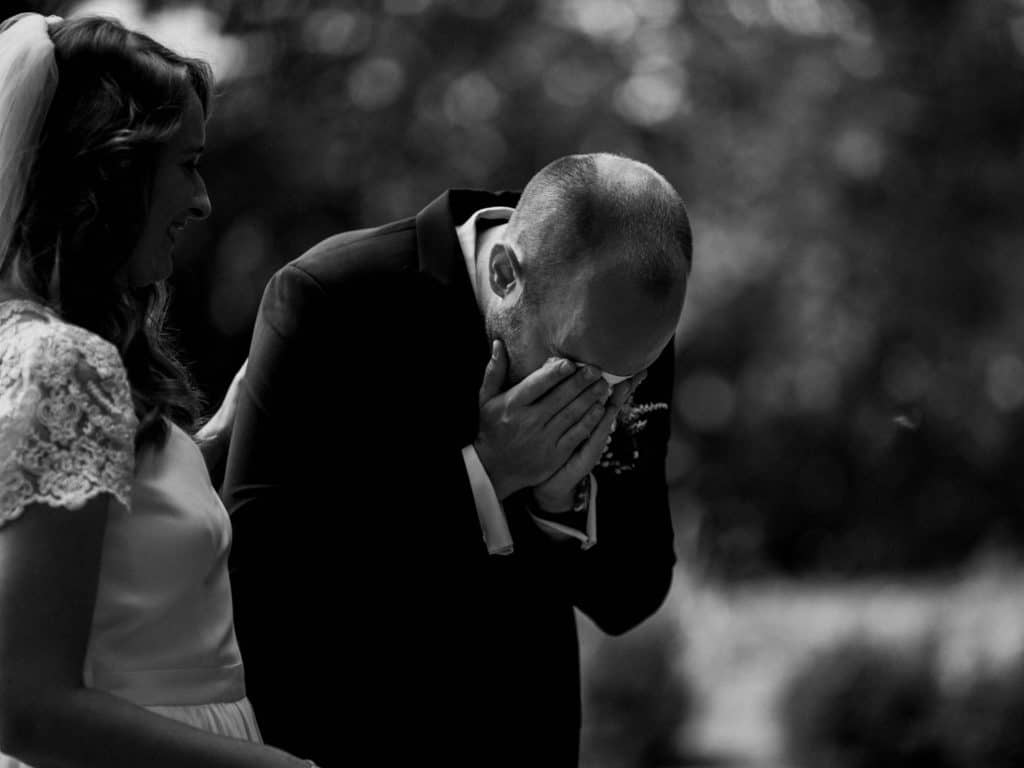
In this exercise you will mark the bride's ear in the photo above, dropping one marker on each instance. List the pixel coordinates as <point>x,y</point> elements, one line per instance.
<point>503,270</point>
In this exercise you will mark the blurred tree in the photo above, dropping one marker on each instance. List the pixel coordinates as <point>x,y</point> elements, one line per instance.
<point>981,720</point>
<point>636,702</point>
<point>859,704</point>
<point>851,358</point>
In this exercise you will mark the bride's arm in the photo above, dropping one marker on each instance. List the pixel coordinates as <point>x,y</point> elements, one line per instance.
<point>214,437</point>
<point>49,567</point>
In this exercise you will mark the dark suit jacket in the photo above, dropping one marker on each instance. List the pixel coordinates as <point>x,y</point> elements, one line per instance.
<point>371,619</point>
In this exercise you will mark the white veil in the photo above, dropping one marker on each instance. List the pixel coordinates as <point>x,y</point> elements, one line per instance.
<point>28,78</point>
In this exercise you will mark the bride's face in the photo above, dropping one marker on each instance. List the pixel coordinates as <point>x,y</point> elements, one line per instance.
<point>178,196</point>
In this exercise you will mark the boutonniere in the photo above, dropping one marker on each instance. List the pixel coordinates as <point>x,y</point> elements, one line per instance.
<point>633,418</point>
<point>622,453</point>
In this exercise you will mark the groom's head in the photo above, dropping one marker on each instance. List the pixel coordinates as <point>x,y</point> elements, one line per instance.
<point>592,267</point>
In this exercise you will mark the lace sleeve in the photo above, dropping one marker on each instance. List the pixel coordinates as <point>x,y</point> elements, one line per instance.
<point>67,425</point>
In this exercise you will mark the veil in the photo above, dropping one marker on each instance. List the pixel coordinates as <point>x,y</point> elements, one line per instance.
<point>28,78</point>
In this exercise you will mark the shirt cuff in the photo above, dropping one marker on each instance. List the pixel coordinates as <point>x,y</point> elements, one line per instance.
<point>562,532</point>
<point>489,511</point>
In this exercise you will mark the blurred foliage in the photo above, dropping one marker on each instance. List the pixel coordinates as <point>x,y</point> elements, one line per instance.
<point>636,701</point>
<point>982,720</point>
<point>862,704</point>
<point>851,358</point>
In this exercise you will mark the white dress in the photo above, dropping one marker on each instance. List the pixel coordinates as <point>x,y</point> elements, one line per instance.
<point>162,632</point>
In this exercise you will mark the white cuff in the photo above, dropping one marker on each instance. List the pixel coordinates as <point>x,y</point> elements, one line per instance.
<point>489,512</point>
<point>563,532</point>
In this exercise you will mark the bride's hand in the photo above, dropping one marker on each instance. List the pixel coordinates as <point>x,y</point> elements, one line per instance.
<point>218,429</point>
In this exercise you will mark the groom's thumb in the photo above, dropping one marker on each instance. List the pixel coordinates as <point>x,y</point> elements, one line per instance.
<point>494,375</point>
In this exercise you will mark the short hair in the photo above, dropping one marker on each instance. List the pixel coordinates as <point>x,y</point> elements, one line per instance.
<point>581,205</point>
<point>120,96</point>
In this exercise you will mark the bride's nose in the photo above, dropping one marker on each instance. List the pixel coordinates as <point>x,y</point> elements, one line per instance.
<point>201,206</point>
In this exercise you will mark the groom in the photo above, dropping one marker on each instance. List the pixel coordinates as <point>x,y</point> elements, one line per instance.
<point>443,446</point>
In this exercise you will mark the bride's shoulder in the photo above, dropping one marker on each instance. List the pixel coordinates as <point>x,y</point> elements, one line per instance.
<point>35,340</point>
<point>67,422</point>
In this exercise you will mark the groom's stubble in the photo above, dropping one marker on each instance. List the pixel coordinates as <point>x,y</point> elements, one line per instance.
<point>507,326</point>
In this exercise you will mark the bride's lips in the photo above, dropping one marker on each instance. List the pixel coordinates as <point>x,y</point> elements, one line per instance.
<point>174,231</point>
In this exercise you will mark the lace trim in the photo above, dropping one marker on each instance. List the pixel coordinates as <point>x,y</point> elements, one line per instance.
<point>10,514</point>
<point>66,419</point>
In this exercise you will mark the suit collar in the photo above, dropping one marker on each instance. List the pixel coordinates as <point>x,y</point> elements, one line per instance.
<point>439,252</point>
<point>440,256</point>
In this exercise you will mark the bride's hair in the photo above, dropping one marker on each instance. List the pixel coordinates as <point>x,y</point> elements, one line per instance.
<point>120,96</point>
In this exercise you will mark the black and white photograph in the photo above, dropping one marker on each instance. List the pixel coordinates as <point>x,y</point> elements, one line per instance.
<point>512,383</point>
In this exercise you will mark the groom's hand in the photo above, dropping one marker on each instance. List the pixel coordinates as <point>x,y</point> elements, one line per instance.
<point>556,493</point>
<point>531,430</point>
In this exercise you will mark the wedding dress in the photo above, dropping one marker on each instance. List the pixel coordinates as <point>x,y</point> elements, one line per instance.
<point>162,632</point>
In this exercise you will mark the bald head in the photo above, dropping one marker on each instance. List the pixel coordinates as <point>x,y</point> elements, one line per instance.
<point>604,210</point>
<point>592,267</point>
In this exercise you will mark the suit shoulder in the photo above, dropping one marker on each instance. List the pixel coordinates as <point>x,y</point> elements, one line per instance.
<point>388,249</point>
<point>373,274</point>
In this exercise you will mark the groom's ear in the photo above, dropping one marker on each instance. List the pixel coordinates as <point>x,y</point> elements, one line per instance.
<point>503,270</point>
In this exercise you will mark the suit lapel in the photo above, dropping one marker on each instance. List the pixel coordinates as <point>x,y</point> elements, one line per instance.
<point>441,257</point>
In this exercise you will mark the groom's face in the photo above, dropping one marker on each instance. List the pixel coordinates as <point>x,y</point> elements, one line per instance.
<point>593,317</point>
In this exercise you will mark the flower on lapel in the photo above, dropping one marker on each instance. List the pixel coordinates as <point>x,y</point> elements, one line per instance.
<point>622,452</point>
<point>633,417</point>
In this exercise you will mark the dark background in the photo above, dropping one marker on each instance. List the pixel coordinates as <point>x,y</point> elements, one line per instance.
<point>850,358</point>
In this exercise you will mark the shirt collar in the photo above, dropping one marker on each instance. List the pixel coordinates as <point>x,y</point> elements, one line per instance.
<point>467,236</point>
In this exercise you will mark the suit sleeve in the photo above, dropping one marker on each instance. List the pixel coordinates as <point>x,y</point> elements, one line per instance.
<point>271,400</point>
<point>334,394</point>
<point>625,576</point>
<point>345,503</point>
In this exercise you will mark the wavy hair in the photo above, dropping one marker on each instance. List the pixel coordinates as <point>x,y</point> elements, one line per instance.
<point>120,96</point>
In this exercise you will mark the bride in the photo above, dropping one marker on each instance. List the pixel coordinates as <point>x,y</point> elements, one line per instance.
<point>117,643</point>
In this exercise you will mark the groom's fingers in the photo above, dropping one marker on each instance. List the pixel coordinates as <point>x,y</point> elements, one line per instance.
<point>571,412</point>
<point>585,443</point>
<point>581,430</point>
<point>620,393</point>
<point>590,452</point>
<point>494,374</point>
<point>585,385</point>
<point>541,381</point>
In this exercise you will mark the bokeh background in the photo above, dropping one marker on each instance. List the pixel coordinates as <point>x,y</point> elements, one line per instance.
<point>847,451</point>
